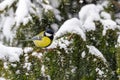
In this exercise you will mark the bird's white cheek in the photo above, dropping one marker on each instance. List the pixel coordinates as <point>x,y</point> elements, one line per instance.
<point>47,34</point>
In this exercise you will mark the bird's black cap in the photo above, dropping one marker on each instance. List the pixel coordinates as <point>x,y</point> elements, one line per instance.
<point>48,30</point>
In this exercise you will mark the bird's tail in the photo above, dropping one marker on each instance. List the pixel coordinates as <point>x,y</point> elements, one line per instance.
<point>26,40</point>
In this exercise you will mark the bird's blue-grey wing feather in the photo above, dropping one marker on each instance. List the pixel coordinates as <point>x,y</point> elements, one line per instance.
<point>37,37</point>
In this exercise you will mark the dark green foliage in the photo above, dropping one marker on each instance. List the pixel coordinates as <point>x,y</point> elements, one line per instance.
<point>22,73</point>
<point>62,64</point>
<point>118,60</point>
<point>106,44</point>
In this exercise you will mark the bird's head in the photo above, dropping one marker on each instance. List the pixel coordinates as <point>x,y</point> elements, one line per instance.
<point>48,32</point>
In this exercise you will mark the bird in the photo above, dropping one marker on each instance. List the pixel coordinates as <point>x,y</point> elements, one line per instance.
<point>43,39</point>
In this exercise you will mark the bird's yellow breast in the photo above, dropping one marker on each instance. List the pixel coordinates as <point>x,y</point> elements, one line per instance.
<point>44,42</point>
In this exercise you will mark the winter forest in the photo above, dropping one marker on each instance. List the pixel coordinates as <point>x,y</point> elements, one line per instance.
<point>86,44</point>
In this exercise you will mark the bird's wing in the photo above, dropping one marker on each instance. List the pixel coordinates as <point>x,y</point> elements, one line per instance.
<point>39,36</point>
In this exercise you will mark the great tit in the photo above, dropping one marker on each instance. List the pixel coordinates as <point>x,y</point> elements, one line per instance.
<point>43,39</point>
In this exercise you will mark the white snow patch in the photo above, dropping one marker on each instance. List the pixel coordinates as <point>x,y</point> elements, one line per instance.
<point>7,26</point>
<point>118,40</point>
<point>94,51</point>
<point>5,4</point>
<point>105,15</point>
<point>71,26</point>
<point>90,12</point>
<point>73,70</point>
<point>81,1</point>
<point>105,4</point>
<point>62,43</point>
<point>14,65</point>
<point>39,55</point>
<point>47,7</point>
<point>10,53</point>
<point>108,24</point>
<point>83,54</point>
<point>27,66</point>
<point>5,65</point>
<point>17,72</point>
<point>43,70</point>
<point>89,25</point>
<point>56,12</point>
<point>28,49</point>
<point>118,21</point>
<point>55,3</point>
<point>22,13</point>
<point>1,78</point>
<point>100,72</point>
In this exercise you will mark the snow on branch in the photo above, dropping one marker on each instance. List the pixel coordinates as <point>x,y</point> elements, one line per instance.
<point>91,12</point>
<point>6,28</point>
<point>10,53</point>
<point>71,26</point>
<point>6,3</point>
<point>86,22</point>
<point>108,24</point>
<point>22,14</point>
<point>94,51</point>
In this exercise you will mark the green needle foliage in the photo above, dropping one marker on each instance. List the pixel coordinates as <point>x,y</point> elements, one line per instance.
<point>72,63</point>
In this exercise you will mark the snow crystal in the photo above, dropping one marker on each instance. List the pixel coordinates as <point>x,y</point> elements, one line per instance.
<point>94,51</point>
<point>71,26</point>
<point>10,53</point>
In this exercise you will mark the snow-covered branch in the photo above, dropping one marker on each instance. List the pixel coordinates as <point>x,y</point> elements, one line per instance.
<point>10,53</point>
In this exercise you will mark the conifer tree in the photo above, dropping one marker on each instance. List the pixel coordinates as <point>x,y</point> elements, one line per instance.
<point>72,58</point>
